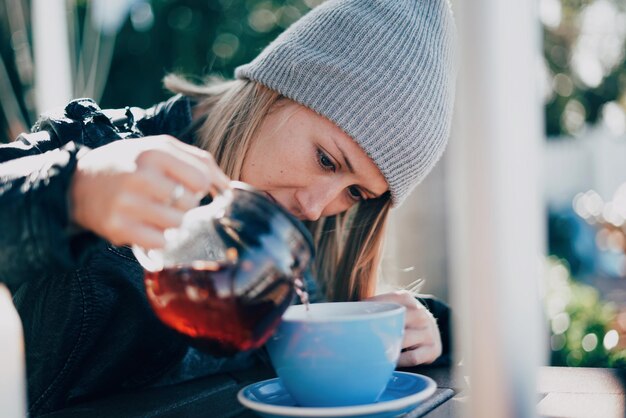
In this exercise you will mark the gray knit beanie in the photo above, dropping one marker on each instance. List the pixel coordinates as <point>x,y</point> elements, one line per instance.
<point>381,70</point>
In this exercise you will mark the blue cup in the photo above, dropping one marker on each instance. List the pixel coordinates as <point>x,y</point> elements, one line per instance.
<point>337,354</point>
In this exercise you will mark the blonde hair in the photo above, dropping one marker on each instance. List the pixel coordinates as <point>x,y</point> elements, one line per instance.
<point>348,245</point>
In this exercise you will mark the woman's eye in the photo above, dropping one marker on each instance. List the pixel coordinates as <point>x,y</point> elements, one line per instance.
<point>324,161</point>
<point>355,193</point>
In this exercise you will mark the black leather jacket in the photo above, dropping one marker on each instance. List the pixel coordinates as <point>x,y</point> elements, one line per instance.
<point>88,327</point>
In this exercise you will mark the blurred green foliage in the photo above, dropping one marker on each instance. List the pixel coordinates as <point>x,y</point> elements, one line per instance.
<point>584,330</point>
<point>194,38</point>
<point>583,45</point>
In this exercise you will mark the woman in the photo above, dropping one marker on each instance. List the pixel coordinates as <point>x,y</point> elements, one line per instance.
<point>337,120</point>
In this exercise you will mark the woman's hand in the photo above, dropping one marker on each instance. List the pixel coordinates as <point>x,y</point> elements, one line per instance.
<point>422,342</point>
<point>130,191</point>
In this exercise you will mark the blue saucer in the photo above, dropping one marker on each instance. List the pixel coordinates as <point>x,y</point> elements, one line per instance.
<point>404,392</point>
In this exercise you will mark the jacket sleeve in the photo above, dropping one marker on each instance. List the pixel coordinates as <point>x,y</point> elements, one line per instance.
<point>36,236</point>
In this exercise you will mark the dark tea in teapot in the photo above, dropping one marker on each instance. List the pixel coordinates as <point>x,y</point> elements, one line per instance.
<point>199,301</point>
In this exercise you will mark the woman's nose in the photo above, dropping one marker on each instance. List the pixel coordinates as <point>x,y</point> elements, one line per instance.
<point>313,200</point>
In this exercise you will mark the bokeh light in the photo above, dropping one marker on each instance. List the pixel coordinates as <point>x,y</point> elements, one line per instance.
<point>611,339</point>
<point>589,342</point>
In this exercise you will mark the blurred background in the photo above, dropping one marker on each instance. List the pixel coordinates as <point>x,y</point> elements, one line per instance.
<point>117,51</point>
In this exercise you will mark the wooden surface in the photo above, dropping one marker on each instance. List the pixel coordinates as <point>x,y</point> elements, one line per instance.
<point>582,392</point>
<point>562,392</point>
<point>215,396</point>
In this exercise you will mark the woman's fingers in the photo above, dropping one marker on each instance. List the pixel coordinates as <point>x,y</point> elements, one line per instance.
<point>424,354</point>
<point>219,180</point>
<point>416,337</point>
<point>401,297</point>
<point>130,213</point>
<point>181,198</point>
<point>130,191</point>
<point>152,213</point>
<point>162,189</point>
<point>422,341</point>
<point>184,169</point>
<point>417,316</point>
<point>143,235</point>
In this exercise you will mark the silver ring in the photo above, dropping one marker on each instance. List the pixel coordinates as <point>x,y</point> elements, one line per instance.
<point>177,192</point>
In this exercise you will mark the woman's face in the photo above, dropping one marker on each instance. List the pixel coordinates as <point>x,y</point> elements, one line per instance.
<point>309,165</point>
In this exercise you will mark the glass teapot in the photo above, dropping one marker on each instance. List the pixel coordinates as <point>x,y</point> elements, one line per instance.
<point>228,273</point>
